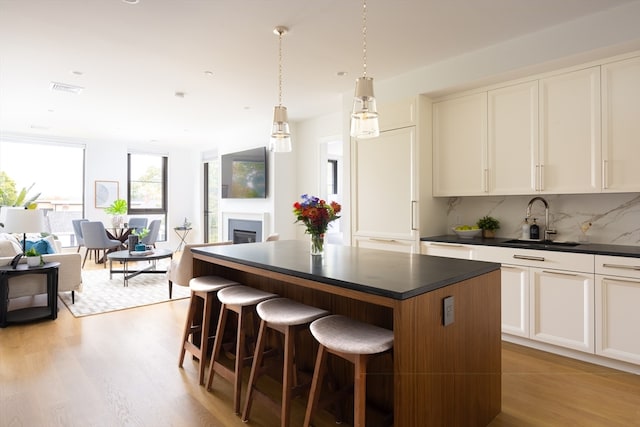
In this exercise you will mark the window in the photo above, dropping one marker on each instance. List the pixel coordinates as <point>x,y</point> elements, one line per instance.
<point>147,189</point>
<point>332,177</point>
<point>56,172</point>
<point>211,192</point>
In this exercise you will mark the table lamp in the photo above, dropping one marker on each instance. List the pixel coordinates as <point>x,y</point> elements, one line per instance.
<point>24,221</point>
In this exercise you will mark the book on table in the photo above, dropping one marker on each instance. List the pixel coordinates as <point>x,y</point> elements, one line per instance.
<point>142,253</point>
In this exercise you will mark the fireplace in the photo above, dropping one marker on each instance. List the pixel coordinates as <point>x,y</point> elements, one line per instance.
<point>245,231</point>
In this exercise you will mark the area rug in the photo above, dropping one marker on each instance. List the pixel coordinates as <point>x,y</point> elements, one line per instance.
<point>102,295</point>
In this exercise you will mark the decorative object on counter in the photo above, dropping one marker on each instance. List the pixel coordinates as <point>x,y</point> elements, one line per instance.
<point>534,231</point>
<point>118,208</point>
<point>525,229</point>
<point>34,259</point>
<point>467,231</point>
<point>364,117</point>
<point>584,227</point>
<point>489,225</point>
<point>316,214</point>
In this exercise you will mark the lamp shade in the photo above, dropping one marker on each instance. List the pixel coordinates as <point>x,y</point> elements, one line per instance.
<point>364,118</point>
<point>280,141</point>
<point>24,221</point>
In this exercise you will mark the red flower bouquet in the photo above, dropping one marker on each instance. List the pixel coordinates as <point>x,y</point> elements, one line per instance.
<point>316,214</point>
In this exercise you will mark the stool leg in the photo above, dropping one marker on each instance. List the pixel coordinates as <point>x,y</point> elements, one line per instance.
<point>217,343</point>
<point>287,375</point>
<point>316,383</point>
<point>240,352</point>
<point>360,390</point>
<point>204,335</point>
<point>255,367</point>
<point>187,328</point>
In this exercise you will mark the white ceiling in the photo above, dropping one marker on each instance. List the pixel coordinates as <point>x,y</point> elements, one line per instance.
<point>134,57</point>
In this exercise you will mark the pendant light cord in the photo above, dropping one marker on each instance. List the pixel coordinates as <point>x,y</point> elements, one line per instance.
<point>364,37</point>
<point>280,67</point>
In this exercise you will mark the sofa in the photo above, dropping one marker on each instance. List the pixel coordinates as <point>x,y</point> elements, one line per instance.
<point>69,272</point>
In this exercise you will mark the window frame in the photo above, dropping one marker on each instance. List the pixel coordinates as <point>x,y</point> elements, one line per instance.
<point>164,174</point>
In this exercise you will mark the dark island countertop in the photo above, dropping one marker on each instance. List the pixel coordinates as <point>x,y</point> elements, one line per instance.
<point>389,274</point>
<point>584,248</point>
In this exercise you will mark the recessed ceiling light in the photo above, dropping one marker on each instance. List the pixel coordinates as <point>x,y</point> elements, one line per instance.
<point>39,127</point>
<point>179,94</point>
<point>77,73</point>
<point>131,1</point>
<point>341,73</point>
<point>208,73</point>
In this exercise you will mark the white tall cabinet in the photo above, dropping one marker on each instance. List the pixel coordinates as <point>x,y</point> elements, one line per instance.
<point>621,125</point>
<point>391,181</point>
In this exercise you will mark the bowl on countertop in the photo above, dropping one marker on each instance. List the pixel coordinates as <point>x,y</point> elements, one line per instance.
<point>468,234</point>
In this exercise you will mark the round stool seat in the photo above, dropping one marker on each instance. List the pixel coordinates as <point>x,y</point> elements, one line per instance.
<point>242,295</point>
<point>283,311</point>
<point>346,335</point>
<point>209,283</point>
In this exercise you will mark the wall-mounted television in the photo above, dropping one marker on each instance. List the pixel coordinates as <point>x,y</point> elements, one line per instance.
<point>244,174</point>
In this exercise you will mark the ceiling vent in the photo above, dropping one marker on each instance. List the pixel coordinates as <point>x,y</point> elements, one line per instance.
<point>64,87</point>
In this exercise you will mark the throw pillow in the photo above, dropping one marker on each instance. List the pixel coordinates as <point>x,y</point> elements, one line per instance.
<point>42,246</point>
<point>13,242</point>
<point>9,249</point>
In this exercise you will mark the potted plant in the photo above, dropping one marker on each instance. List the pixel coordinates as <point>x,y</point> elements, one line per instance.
<point>34,258</point>
<point>118,208</point>
<point>489,225</point>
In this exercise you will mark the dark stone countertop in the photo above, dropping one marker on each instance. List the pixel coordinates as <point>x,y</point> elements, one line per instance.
<point>389,274</point>
<point>587,248</point>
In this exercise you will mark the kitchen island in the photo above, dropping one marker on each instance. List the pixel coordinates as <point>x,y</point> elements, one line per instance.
<point>438,375</point>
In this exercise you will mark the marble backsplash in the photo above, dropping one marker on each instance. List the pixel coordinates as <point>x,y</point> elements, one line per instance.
<point>614,218</point>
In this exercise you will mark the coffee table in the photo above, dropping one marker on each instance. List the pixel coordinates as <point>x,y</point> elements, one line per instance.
<point>125,258</point>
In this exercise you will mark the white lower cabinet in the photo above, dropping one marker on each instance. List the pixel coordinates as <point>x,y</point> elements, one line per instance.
<point>385,244</point>
<point>617,303</point>
<point>515,300</point>
<point>562,308</point>
<point>449,250</point>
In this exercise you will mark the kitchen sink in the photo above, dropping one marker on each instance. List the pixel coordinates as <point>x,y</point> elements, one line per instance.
<point>545,244</point>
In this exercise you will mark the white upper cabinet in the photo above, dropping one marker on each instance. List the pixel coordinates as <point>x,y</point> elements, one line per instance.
<point>513,139</point>
<point>621,126</point>
<point>570,133</point>
<point>459,146</point>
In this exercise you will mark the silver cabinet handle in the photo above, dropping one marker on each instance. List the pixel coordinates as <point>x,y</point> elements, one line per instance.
<point>605,174</point>
<point>378,239</point>
<point>529,257</point>
<point>414,204</point>
<point>557,273</point>
<point>622,267</point>
<point>448,245</point>
<point>542,179</point>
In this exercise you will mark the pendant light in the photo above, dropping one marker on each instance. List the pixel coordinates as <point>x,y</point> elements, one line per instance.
<point>280,136</point>
<point>364,118</point>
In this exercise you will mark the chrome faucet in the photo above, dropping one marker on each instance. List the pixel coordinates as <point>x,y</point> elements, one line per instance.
<point>547,230</point>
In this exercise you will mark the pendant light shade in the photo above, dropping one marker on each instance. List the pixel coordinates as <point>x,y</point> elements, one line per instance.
<point>280,141</point>
<point>364,116</point>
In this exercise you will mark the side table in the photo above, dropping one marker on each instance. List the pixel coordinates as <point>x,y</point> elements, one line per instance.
<point>50,269</point>
<point>182,233</point>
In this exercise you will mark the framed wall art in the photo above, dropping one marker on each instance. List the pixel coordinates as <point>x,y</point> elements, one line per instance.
<point>106,193</point>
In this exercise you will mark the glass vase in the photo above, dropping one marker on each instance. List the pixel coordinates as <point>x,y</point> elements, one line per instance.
<point>317,244</point>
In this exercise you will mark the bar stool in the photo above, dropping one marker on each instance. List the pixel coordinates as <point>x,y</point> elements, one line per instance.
<point>203,289</point>
<point>353,341</point>
<point>242,300</point>
<point>287,317</point>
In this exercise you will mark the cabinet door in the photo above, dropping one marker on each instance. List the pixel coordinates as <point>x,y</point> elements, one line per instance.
<point>617,318</point>
<point>515,300</point>
<point>621,126</point>
<point>384,185</point>
<point>562,308</point>
<point>570,133</point>
<point>513,139</point>
<point>459,146</point>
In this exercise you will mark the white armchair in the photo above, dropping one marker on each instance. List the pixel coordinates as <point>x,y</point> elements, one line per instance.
<point>180,271</point>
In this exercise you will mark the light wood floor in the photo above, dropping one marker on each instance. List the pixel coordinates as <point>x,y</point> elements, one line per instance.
<point>120,369</point>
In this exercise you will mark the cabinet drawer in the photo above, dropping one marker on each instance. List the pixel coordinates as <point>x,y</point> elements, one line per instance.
<point>618,266</point>
<point>535,258</point>
<point>450,250</point>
